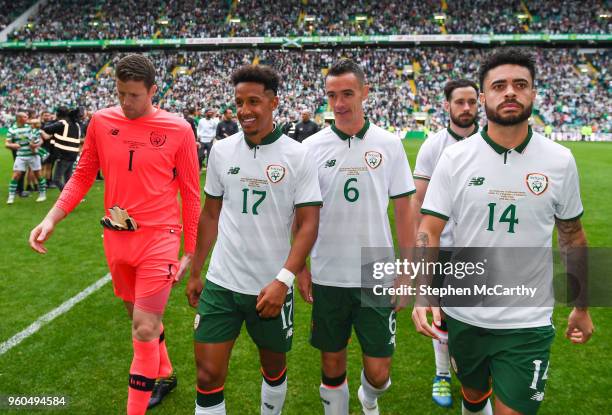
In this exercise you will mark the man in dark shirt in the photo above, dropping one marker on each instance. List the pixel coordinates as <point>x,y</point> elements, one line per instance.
<point>227,126</point>
<point>66,139</point>
<point>305,128</point>
<point>289,127</point>
<point>188,116</point>
<point>46,118</point>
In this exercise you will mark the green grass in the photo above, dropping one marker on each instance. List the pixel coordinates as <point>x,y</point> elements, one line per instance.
<point>85,354</point>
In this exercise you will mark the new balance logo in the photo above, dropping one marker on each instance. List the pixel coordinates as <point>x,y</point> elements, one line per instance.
<point>476,181</point>
<point>289,332</point>
<point>267,405</point>
<point>233,170</point>
<point>538,396</point>
<point>330,163</point>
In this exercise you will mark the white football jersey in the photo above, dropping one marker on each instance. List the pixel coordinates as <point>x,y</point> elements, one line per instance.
<point>261,185</point>
<point>502,197</point>
<point>426,161</point>
<point>357,175</point>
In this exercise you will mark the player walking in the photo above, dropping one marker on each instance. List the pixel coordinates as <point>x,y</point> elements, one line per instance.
<point>147,156</point>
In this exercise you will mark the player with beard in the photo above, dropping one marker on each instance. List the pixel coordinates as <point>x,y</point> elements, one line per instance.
<point>462,106</point>
<point>506,350</point>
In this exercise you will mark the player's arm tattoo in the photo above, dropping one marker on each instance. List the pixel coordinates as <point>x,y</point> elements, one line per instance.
<point>573,250</point>
<point>423,254</point>
<point>570,233</point>
<point>422,240</point>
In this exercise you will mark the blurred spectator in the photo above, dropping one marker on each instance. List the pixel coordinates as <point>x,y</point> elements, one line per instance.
<point>305,128</point>
<point>207,128</point>
<point>66,139</point>
<point>573,87</point>
<point>188,116</point>
<point>91,19</point>
<point>11,10</point>
<point>227,126</point>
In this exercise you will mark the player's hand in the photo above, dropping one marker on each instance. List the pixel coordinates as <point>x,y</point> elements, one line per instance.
<point>579,326</point>
<point>184,264</point>
<point>419,317</point>
<point>400,301</point>
<point>304,279</point>
<point>193,290</point>
<point>39,236</point>
<point>198,145</point>
<point>271,299</point>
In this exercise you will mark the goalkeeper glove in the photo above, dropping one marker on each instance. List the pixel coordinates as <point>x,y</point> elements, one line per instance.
<point>119,220</point>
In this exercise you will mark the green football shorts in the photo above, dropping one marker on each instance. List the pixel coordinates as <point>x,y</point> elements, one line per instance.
<point>336,310</point>
<point>221,313</point>
<point>515,359</point>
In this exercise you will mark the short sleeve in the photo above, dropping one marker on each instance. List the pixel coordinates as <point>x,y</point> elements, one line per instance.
<point>213,187</point>
<point>307,191</point>
<point>569,204</point>
<point>424,166</point>
<point>438,198</point>
<point>401,183</point>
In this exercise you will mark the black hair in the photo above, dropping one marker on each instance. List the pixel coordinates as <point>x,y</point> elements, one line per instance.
<point>507,56</point>
<point>260,74</point>
<point>346,65</point>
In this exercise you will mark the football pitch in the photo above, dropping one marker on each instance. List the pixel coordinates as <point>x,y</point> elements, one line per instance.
<point>85,353</point>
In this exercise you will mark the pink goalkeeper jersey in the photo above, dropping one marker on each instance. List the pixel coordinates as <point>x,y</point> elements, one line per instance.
<point>145,162</point>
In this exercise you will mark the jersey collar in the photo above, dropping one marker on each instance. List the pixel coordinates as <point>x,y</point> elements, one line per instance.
<point>501,149</point>
<point>269,139</point>
<point>457,136</point>
<point>344,136</point>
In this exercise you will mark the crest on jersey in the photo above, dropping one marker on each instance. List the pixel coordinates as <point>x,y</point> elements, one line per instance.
<point>275,173</point>
<point>373,159</point>
<point>537,183</point>
<point>157,139</point>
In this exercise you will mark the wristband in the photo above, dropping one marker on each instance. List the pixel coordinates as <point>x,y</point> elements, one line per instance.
<point>286,277</point>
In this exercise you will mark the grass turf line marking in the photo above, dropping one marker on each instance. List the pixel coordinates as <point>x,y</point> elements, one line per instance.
<point>51,315</point>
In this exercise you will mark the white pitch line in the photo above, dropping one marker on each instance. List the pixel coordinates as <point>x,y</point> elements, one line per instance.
<point>51,315</point>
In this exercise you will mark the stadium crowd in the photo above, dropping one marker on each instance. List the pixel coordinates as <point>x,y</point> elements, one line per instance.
<point>117,19</point>
<point>403,82</point>
<point>11,9</point>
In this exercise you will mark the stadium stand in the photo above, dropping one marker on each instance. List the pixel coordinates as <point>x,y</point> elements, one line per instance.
<point>115,19</point>
<point>573,88</point>
<point>11,9</point>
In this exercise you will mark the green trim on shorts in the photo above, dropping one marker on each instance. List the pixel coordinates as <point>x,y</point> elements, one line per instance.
<point>516,359</point>
<point>337,310</point>
<point>221,313</point>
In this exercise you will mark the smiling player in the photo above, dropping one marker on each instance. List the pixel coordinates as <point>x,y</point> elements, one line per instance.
<point>258,182</point>
<point>361,167</point>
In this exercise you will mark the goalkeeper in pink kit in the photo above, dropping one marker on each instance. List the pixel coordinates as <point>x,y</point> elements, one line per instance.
<point>147,156</point>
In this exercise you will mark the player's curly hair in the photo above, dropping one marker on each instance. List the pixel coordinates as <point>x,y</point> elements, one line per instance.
<point>260,74</point>
<point>507,56</point>
<point>346,65</point>
<point>136,67</point>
